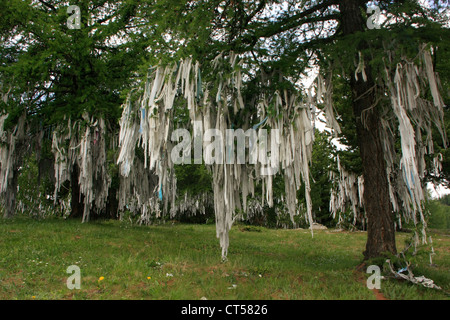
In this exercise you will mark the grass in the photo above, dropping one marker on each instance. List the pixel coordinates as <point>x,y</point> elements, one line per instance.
<point>183,261</point>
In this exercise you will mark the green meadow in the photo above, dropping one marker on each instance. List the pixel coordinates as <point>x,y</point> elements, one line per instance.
<point>174,261</point>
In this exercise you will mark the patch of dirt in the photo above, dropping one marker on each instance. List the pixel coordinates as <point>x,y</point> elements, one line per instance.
<point>359,275</point>
<point>379,295</point>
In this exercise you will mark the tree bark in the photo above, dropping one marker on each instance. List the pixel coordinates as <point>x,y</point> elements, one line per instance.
<point>9,200</point>
<point>77,206</point>
<point>377,204</point>
<point>11,195</point>
<point>112,204</point>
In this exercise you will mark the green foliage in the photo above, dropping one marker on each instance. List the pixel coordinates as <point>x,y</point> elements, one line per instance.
<point>193,179</point>
<point>66,72</point>
<point>342,102</point>
<point>445,200</point>
<point>34,197</point>
<point>439,213</point>
<point>322,162</point>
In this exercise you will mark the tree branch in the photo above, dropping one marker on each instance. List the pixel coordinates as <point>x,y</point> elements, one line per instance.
<point>293,22</point>
<point>48,5</point>
<point>261,6</point>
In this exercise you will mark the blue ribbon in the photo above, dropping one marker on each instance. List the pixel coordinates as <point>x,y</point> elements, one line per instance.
<point>142,119</point>
<point>257,125</point>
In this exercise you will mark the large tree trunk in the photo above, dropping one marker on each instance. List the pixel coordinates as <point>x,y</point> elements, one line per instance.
<point>380,222</point>
<point>377,204</point>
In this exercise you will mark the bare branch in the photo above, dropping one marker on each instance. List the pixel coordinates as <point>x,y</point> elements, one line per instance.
<point>48,5</point>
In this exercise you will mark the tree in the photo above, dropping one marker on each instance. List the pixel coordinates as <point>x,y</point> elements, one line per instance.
<point>67,83</point>
<point>323,161</point>
<point>439,172</point>
<point>277,41</point>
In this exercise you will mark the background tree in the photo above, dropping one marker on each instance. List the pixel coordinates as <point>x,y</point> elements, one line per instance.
<point>72,79</point>
<point>323,161</point>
